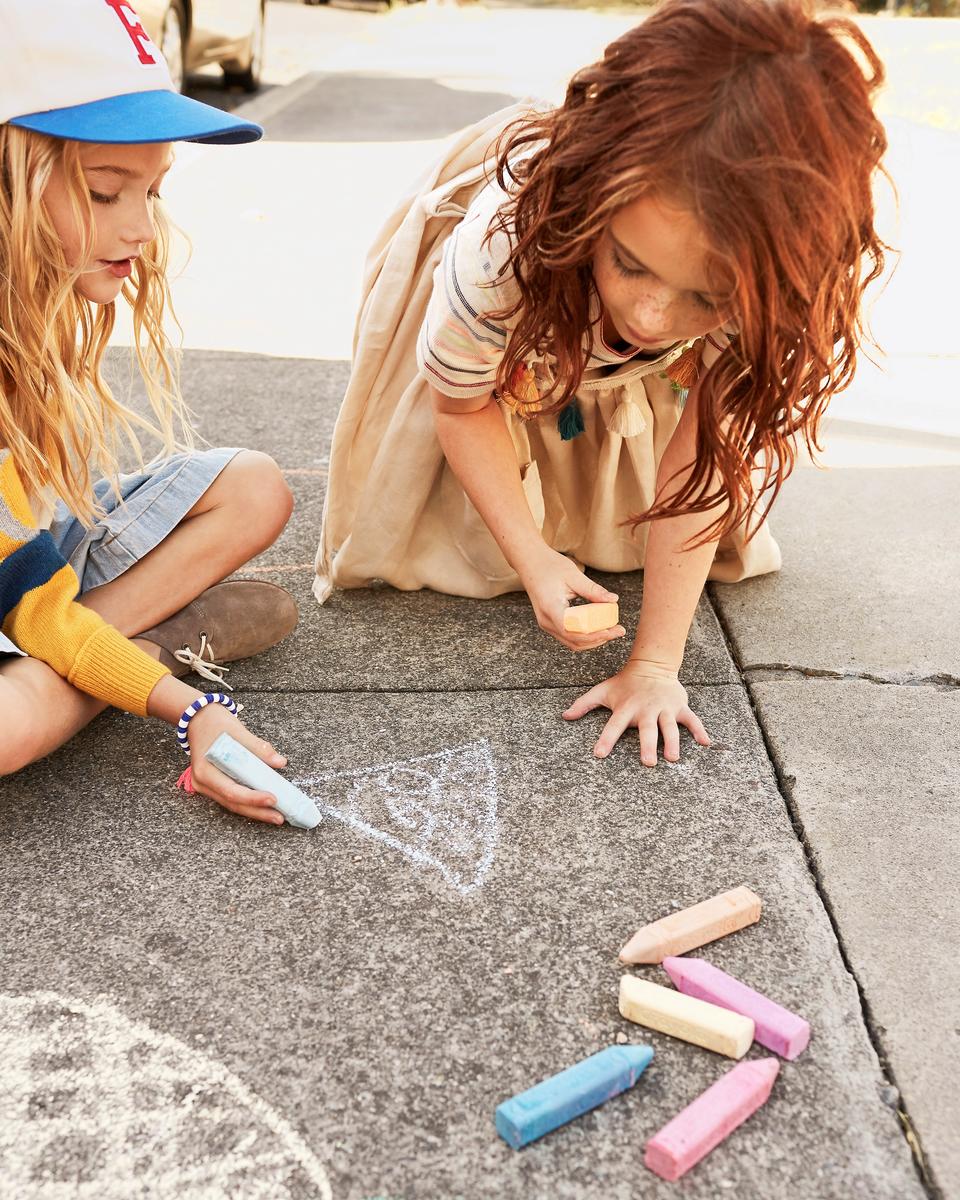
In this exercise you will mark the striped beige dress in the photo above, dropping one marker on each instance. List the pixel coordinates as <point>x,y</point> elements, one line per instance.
<point>394,510</point>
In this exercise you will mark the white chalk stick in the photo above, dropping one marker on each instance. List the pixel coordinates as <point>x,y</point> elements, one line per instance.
<point>682,1016</point>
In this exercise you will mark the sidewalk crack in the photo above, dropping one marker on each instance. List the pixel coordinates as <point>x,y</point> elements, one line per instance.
<point>785,784</point>
<point>942,680</point>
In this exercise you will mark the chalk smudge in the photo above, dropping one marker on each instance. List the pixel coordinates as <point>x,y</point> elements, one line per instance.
<point>94,1106</point>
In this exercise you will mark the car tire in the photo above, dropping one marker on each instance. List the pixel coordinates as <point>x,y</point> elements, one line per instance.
<point>173,42</point>
<point>248,77</point>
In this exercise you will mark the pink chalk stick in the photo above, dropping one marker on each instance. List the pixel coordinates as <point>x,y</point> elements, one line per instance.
<point>706,1121</point>
<point>777,1028</point>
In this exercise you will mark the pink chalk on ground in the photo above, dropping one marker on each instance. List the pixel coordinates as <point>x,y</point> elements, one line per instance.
<point>706,1121</point>
<point>777,1028</point>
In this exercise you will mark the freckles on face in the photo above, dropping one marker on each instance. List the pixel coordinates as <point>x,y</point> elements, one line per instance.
<point>122,183</point>
<point>650,271</point>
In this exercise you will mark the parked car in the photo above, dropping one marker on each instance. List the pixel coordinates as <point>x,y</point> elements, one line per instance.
<point>192,33</point>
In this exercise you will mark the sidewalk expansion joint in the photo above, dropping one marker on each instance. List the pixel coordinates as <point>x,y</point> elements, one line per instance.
<point>377,690</point>
<point>765,671</point>
<point>785,783</point>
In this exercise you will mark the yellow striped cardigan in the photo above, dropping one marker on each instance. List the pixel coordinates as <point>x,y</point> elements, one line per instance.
<point>39,612</point>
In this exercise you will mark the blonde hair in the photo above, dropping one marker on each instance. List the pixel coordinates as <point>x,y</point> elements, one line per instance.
<point>58,417</point>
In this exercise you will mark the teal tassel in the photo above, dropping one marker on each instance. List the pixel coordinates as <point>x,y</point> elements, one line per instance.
<point>570,421</point>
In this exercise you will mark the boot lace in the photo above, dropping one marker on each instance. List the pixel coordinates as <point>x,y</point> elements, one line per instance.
<point>205,667</point>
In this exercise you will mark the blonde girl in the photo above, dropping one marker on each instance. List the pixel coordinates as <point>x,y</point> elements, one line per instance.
<point>87,119</point>
<point>597,333</point>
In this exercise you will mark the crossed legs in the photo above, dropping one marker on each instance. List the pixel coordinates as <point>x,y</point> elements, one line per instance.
<point>239,515</point>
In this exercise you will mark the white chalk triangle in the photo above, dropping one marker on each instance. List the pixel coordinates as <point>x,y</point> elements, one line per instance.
<point>440,810</point>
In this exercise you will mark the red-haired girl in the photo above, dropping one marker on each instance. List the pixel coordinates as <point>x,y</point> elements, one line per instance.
<point>597,333</point>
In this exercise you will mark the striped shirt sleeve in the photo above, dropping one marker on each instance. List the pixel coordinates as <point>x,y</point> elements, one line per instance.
<point>461,342</point>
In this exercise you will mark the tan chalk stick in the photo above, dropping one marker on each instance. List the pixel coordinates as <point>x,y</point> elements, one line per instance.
<point>685,1017</point>
<point>693,927</point>
<point>590,618</point>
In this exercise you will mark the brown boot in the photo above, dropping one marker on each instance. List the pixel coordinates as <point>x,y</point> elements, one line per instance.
<point>231,620</point>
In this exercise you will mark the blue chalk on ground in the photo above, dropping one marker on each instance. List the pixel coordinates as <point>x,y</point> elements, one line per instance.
<point>243,766</point>
<point>571,1093</point>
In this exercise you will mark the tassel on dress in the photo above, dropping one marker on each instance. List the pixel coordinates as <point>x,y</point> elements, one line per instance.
<point>570,421</point>
<point>522,393</point>
<point>684,371</point>
<point>628,419</point>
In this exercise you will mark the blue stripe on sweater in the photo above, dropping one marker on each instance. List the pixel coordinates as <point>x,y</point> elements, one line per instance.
<point>30,566</point>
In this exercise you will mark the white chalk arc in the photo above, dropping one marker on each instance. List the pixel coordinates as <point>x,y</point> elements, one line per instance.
<point>439,810</point>
<point>94,1106</point>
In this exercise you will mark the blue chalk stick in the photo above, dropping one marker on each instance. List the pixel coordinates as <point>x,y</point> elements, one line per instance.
<point>571,1093</point>
<point>240,764</point>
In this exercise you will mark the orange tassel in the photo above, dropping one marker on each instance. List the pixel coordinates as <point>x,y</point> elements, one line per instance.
<point>685,370</point>
<point>523,385</point>
<point>522,393</point>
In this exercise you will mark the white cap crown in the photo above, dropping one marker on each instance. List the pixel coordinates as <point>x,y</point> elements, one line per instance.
<point>60,53</point>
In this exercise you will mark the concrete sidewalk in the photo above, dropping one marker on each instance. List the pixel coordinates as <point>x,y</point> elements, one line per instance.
<point>446,937</point>
<point>193,1007</point>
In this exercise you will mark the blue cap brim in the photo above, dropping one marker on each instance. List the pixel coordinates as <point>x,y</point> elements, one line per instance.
<point>141,117</point>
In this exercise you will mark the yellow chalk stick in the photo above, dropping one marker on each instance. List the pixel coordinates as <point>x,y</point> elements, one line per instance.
<point>693,927</point>
<point>590,618</point>
<point>685,1017</point>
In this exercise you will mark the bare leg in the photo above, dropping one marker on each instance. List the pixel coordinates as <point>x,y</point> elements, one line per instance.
<point>39,711</point>
<point>241,514</point>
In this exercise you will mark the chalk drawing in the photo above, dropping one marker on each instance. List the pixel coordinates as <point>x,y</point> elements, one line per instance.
<point>94,1106</point>
<point>440,810</point>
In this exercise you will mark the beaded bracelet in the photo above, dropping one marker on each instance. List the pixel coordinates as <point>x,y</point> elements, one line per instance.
<point>189,713</point>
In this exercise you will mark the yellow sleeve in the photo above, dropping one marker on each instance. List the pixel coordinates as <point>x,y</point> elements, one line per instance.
<point>40,613</point>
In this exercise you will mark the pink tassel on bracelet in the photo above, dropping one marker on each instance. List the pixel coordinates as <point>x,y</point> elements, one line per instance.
<point>185,782</point>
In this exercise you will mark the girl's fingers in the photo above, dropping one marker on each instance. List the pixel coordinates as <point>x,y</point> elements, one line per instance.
<point>587,589</point>
<point>689,718</point>
<point>239,802</point>
<point>263,750</point>
<point>612,732</point>
<point>590,641</point>
<point>268,816</point>
<point>213,783</point>
<point>259,746</point>
<point>257,810</point>
<point>584,704</point>
<point>649,734</point>
<point>671,738</point>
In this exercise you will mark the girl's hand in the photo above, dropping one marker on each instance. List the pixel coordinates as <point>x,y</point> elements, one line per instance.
<point>202,732</point>
<point>647,695</point>
<point>551,581</point>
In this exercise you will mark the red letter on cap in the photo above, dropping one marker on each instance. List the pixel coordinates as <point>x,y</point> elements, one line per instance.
<point>138,35</point>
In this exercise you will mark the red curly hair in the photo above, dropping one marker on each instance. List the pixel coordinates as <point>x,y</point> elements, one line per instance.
<point>757,116</point>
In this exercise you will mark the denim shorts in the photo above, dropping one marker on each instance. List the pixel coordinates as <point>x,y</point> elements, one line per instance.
<point>151,504</point>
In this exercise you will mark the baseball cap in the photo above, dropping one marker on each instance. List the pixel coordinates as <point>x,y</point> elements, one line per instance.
<point>86,70</point>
